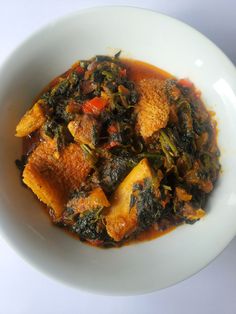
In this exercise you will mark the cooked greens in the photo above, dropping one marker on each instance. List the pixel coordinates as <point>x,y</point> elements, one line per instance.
<point>92,112</point>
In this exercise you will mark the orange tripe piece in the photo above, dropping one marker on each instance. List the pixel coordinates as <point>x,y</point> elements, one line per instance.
<point>95,199</point>
<point>121,220</point>
<point>32,120</point>
<point>153,107</point>
<point>51,176</point>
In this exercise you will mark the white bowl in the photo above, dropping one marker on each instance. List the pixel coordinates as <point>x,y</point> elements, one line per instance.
<point>159,40</point>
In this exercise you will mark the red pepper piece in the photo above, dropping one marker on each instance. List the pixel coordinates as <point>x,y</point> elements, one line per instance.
<point>94,106</point>
<point>185,83</point>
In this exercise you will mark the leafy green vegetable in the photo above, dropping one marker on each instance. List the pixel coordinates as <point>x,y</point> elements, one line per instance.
<point>89,153</point>
<point>117,55</point>
<point>20,163</point>
<point>149,210</point>
<point>89,225</point>
<point>101,58</point>
<point>168,144</point>
<point>113,169</point>
<point>59,132</point>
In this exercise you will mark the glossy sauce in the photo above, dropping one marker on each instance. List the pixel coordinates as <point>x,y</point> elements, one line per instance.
<point>139,70</point>
<point>146,235</point>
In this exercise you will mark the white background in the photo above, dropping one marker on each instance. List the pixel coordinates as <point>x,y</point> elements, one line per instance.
<point>25,290</point>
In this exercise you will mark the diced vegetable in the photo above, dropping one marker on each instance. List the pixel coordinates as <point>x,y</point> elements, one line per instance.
<point>112,129</point>
<point>94,106</point>
<point>111,144</point>
<point>77,67</point>
<point>123,72</point>
<point>185,83</point>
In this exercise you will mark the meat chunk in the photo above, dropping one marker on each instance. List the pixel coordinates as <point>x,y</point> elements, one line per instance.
<point>182,195</point>
<point>32,120</point>
<point>113,169</point>
<point>84,212</point>
<point>192,214</point>
<point>52,178</point>
<point>121,220</point>
<point>84,129</point>
<point>95,199</point>
<point>153,107</point>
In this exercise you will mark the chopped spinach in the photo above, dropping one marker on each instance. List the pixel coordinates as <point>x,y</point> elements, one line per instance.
<point>89,225</point>
<point>149,210</point>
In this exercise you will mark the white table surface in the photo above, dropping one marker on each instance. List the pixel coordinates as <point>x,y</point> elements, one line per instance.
<point>25,290</point>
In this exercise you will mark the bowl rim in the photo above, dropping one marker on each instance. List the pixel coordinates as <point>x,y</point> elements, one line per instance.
<point>102,7</point>
<point>11,55</point>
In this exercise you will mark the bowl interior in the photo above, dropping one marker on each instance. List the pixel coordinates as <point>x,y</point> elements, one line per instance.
<point>149,37</point>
